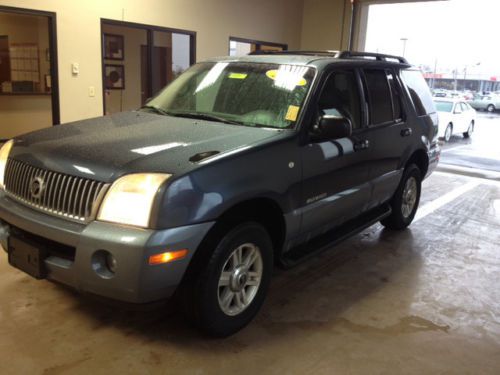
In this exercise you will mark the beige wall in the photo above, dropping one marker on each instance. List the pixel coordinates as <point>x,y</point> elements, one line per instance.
<point>78,32</point>
<point>326,24</point>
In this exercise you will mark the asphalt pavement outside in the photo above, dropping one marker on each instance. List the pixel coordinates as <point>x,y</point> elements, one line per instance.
<point>481,151</point>
<point>422,301</point>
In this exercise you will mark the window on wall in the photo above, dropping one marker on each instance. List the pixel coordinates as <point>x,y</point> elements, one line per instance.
<point>28,82</point>
<point>241,46</point>
<point>139,61</point>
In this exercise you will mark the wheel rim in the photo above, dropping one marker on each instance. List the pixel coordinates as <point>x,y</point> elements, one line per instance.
<point>240,279</point>
<point>409,197</point>
<point>491,108</point>
<point>447,134</point>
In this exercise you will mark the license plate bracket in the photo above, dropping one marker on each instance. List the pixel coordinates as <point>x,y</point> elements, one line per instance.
<point>27,257</point>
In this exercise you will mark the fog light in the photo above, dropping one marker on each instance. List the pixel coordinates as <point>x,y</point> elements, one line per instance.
<point>111,262</point>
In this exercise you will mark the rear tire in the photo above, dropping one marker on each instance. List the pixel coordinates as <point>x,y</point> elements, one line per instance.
<point>230,289</point>
<point>491,108</point>
<point>470,130</point>
<point>405,201</point>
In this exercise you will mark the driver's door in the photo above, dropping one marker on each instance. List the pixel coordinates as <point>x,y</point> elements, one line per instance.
<point>336,171</point>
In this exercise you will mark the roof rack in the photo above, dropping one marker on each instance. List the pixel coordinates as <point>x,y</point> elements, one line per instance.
<point>337,54</point>
<point>376,56</point>
<point>310,53</point>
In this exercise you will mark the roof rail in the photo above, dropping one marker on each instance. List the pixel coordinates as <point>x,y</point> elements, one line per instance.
<point>376,56</point>
<point>311,53</point>
<point>337,54</point>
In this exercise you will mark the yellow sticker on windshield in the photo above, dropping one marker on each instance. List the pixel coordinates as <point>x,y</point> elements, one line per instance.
<point>237,75</point>
<point>272,74</point>
<point>291,114</point>
<point>283,75</point>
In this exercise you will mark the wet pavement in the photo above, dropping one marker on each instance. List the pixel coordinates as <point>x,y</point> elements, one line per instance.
<point>481,151</point>
<point>422,301</point>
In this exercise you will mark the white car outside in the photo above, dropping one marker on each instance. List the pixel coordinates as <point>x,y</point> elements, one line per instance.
<point>455,117</point>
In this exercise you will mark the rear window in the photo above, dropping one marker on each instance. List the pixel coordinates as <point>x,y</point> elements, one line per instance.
<point>419,92</point>
<point>443,106</point>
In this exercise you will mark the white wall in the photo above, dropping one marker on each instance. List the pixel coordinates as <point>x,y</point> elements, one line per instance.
<point>78,32</point>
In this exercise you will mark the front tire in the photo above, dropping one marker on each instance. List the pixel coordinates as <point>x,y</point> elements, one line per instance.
<point>405,201</point>
<point>448,132</point>
<point>470,130</point>
<point>491,108</point>
<point>229,291</point>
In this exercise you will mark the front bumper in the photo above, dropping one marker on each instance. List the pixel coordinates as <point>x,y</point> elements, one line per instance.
<point>134,281</point>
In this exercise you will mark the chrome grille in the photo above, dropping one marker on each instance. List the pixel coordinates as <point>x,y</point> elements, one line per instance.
<point>60,194</point>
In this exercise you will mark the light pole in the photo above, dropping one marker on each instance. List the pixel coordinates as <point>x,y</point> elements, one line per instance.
<point>404,40</point>
<point>465,71</point>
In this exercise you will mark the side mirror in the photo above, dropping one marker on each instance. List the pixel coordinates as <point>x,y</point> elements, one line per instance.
<point>332,127</point>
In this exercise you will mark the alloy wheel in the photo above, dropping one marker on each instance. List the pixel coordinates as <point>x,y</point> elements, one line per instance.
<point>240,279</point>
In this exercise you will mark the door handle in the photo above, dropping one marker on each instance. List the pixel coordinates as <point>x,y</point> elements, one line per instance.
<point>362,145</point>
<point>406,132</point>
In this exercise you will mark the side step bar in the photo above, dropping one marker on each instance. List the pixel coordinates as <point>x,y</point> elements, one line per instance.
<point>334,236</point>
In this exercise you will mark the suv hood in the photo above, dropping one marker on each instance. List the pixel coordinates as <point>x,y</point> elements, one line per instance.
<point>106,147</point>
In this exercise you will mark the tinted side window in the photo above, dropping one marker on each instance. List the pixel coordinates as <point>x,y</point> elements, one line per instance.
<point>340,97</point>
<point>379,96</point>
<point>419,92</point>
<point>396,96</point>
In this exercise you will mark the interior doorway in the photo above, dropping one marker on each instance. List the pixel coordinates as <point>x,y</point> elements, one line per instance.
<point>139,60</point>
<point>29,97</point>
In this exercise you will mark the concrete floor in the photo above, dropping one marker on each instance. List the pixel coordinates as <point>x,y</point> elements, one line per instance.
<point>422,301</point>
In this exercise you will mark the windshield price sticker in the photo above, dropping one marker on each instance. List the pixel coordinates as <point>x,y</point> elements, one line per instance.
<point>238,75</point>
<point>291,114</point>
<point>274,73</point>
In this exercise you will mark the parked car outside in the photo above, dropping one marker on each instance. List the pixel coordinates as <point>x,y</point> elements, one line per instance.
<point>455,117</point>
<point>237,165</point>
<point>490,103</point>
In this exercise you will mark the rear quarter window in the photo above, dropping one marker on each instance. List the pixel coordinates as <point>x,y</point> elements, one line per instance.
<point>419,92</point>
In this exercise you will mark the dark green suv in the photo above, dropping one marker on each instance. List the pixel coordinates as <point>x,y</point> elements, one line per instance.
<point>239,164</point>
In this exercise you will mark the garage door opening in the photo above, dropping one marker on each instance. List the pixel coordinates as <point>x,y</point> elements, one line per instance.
<point>451,42</point>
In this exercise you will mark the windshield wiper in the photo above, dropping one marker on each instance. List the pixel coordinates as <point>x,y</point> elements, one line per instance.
<point>204,116</point>
<point>157,110</point>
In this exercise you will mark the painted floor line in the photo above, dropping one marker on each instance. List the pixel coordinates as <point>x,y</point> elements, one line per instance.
<point>445,199</point>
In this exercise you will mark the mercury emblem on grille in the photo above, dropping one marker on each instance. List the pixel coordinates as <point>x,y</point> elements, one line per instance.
<point>37,187</point>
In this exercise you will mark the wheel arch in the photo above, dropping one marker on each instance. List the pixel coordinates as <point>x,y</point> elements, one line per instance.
<point>262,210</point>
<point>421,160</point>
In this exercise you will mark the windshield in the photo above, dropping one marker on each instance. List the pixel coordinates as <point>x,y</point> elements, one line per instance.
<point>243,93</point>
<point>443,106</point>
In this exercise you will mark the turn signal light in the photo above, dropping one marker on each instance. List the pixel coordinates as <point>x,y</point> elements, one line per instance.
<point>167,257</point>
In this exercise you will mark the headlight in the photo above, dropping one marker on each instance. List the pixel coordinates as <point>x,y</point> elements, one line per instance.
<point>4,154</point>
<point>130,199</point>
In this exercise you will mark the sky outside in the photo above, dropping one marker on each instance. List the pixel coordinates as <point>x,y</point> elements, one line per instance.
<point>456,33</point>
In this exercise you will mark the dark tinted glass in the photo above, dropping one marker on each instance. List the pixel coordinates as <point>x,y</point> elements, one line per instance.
<point>396,96</point>
<point>340,97</point>
<point>419,92</point>
<point>379,96</point>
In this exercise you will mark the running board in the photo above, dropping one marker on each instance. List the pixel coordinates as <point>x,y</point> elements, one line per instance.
<point>334,236</point>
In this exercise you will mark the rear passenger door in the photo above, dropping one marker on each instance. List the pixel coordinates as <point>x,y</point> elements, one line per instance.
<point>389,134</point>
